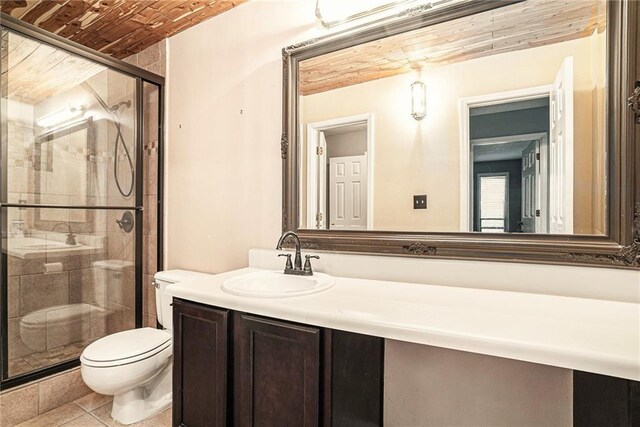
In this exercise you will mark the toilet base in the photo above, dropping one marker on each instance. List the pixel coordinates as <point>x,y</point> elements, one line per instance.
<point>142,402</point>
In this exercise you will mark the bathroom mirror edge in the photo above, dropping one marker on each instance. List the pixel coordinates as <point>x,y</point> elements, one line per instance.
<point>619,248</point>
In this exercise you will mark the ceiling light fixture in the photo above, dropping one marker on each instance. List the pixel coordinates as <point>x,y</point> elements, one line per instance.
<point>332,13</point>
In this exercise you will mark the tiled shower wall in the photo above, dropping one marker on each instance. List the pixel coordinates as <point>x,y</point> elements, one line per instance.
<point>152,59</point>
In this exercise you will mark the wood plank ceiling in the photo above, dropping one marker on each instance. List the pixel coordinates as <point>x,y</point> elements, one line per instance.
<point>118,28</point>
<point>520,26</point>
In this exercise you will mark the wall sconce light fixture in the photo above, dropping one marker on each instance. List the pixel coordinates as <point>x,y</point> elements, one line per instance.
<point>332,13</point>
<point>418,100</point>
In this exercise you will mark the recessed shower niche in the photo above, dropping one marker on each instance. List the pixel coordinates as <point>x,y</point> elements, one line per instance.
<point>74,128</point>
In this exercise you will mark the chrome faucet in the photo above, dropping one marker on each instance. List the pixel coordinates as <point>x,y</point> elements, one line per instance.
<point>295,268</point>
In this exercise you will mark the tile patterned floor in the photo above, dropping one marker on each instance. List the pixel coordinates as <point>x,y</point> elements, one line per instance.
<point>33,361</point>
<point>93,410</point>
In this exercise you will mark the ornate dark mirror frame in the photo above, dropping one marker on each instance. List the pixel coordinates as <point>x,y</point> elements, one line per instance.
<point>619,248</point>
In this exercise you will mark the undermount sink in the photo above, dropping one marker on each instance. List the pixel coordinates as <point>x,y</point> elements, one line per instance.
<point>276,284</point>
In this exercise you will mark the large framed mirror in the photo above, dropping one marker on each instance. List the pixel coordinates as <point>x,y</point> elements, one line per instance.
<point>482,130</point>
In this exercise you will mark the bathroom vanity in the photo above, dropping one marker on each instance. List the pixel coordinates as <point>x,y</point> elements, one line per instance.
<point>318,358</point>
<point>241,369</point>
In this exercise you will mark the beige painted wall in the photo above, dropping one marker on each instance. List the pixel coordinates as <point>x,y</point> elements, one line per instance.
<point>414,157</point>
<point>224,126</point>
<point>224,176</point>
<point>430,386</point>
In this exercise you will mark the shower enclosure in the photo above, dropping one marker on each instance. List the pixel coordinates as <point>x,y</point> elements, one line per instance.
<point>77,186</point>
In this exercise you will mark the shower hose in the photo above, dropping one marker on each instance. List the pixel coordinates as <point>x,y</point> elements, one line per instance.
<point>118,141</point>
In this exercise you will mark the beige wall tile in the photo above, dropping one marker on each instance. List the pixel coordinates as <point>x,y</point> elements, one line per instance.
<point>73,262</point>
<point>43,290</point>
<point>121,287</point>
<point>149,320</point>
<point>61,389</point>
<point>99,322</point>
<point>86,286</point>
<point>36,338</point>
<point>77,328</point>
<point>151,215</point>
<point>18,267</point>
<point>148,295</point>
<point>149,56</point>
<point>120,318</point>
<point>150,263</point>
<point>18,405</point>
<point>133,59</point>
<point>13,297</point>
<point>151,174</point>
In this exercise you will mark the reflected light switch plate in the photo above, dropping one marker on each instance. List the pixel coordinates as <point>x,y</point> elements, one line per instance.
<point>420,201</point>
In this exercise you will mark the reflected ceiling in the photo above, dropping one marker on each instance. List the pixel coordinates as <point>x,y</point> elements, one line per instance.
<point>57,71</point>
<point>523,25</point>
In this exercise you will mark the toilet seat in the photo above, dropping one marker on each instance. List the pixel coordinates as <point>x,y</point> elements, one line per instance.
<point>127,347</point>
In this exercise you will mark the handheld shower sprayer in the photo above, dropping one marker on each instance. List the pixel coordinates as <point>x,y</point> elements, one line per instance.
<point>119,140</point>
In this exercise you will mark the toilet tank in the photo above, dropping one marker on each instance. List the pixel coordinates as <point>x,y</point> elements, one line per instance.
<point>163,302</point>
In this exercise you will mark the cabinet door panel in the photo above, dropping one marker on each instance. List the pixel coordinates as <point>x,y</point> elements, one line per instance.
<point>354,373</point>
<point>276,373</point>
<point>200,365</point>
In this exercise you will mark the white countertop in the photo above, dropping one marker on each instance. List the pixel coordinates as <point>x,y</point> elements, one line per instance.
<point>34,248</point>
<point>599,336</point>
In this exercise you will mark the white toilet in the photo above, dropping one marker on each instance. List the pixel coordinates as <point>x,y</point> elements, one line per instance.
<point>135,365</point>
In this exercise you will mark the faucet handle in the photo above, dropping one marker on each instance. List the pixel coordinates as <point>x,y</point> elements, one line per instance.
<point>289,265</point>
<point>307,263</point>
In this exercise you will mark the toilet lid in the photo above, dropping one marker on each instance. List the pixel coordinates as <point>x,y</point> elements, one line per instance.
<point>122,347</point>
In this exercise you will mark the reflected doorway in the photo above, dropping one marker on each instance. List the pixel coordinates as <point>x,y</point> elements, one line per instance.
<point>340,174</point>
<point>528,135</point>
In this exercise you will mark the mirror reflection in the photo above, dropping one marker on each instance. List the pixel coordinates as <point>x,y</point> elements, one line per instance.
<point>490,123</point>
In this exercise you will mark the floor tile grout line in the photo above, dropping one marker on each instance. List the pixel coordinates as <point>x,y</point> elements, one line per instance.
<point>96,418</point>
<point>72,419</point>
<point>78,405</point>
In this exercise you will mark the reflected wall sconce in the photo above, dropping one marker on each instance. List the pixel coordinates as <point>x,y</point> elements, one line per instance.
<point>418,100</point>
<point>60,116</point>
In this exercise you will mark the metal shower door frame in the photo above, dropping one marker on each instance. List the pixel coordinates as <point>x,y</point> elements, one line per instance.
<point>141,76</point>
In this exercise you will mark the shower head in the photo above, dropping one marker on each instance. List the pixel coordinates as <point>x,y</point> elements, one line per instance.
<point>117,106</point>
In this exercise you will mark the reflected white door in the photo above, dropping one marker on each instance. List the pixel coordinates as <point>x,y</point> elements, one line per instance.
<point>561,151</point>
<point>529,190</point>
<point>348,193</point>
<point>321,203</point>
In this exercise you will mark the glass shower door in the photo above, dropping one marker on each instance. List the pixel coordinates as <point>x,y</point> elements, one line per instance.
<point>69,204</point>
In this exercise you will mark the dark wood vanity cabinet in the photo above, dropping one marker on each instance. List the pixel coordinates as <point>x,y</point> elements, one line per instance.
<point>277,372</point>
<point>200,365</point>
<point>238,369</point>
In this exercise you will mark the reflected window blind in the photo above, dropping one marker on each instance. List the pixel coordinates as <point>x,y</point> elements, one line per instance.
<point>493,194</point>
